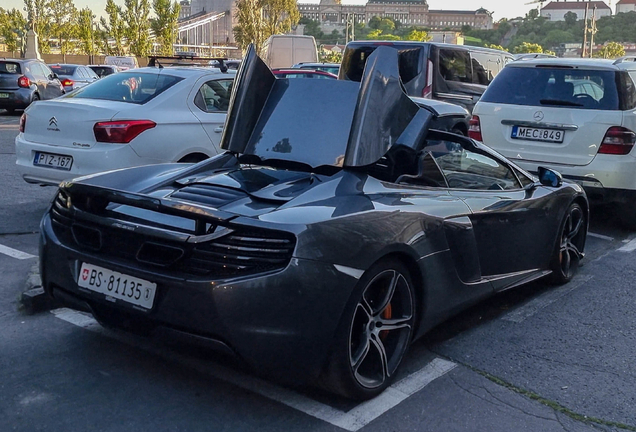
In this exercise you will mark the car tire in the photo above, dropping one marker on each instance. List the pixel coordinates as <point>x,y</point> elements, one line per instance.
<point>569,245</point>
<point>365,357</point>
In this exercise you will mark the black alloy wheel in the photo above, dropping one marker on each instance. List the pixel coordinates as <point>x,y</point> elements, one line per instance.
<point>571,242</point>
<point>375,333</point>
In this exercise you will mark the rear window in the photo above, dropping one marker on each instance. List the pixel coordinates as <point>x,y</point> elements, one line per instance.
<point>557,87</point>
<point>9,67</point>
<point>63,69</point>
<point>409,61</point>
<point>132,87</point>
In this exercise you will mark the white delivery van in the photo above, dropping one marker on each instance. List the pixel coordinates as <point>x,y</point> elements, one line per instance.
<point>123,62</point>
<point>283,51</point>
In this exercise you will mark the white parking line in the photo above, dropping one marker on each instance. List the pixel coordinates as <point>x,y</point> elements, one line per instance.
<point>544,300</point>
<point>600,236</point>
<point>14,253</point>
<point>629,246</point>
<point>351,420</point>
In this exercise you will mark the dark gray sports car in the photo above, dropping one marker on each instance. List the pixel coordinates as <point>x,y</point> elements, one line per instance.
<point>334,230</point>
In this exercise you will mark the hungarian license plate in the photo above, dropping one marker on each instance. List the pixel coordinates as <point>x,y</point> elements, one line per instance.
<point>52,160</point>
<point>117,286</point>
<point>537,134</point>
<point>4,95</point>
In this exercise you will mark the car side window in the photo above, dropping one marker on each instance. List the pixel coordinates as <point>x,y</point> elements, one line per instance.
<point>81,73</point>
<point>466,169</point>
<point>455,65</point>
<point>214,96</point>
<point>35,70</point>
<point>47,72</point>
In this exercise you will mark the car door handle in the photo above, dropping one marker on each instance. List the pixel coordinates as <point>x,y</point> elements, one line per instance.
<point>218,129</point>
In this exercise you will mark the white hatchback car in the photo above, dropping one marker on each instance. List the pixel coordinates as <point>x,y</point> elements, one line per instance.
<point>137,117</point>
<point>576,116</point>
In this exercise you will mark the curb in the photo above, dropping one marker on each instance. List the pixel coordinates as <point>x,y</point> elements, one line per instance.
<point>35,299</point>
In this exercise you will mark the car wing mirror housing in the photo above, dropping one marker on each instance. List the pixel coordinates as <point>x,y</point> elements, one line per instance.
<point>549,177</point>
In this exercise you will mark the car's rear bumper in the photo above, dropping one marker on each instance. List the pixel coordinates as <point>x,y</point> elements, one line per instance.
<point>281,323</point>
<point>100,157</point>
<point>18,99</point>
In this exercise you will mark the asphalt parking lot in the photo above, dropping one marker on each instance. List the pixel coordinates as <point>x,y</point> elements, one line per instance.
<point>537,358</point>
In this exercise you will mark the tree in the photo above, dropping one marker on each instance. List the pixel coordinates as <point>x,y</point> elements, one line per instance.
<point>136,15</point>
<point>387,25</point>
<point>611,50</point>
<point>13,28</point>
<point>86,32</point>
<point>259,19</point>
<point>527,47</point>
<point>114,28</point>
<point>374,22</point>
<point>532,15</point>
<point>418,35</point>
<point>165,25</point>
<point>39,20</point>
<point>63,22</point>
<point>279,16</point>
<point>494,46</point>
<point>250,29</point>
<point>570,19</point>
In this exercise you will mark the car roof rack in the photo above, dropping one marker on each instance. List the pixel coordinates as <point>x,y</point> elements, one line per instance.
<point>185,59</point>
<point>624,59</point>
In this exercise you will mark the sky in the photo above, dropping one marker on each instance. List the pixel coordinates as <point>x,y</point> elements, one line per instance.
<point>500,8</point>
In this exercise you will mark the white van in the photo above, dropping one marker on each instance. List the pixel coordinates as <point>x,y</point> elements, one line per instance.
<point>123,62</point>
<point>283,51</point>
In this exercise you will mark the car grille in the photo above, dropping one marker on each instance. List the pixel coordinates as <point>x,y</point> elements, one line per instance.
<point>242,251</point>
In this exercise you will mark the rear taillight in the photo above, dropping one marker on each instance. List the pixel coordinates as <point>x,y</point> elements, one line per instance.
<point>474,128</point>
<point>121,132</point>
<point>617,141</point>
<point>67,82</point>
<point>22,122</point>
<point>427,92</point>
<point>24,82</point>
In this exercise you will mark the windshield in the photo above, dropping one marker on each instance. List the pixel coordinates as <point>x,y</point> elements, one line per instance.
<point>63,69</point>
<point>556,87</point>
<point>132,87</point>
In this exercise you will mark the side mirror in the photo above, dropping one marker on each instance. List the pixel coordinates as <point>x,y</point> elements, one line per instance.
<point>53,76</point>
<point>548,177</point>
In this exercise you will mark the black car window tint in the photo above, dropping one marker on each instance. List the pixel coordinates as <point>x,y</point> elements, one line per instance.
<point>465,169</point>
<point>9,68</point>
<point>481,73</point>
<point>628,93</point>
<point>553,87</point>
<point>212,97</point>
<point>63,69</point>
<point>455,65</point>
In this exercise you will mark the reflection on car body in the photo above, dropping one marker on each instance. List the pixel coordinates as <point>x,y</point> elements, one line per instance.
<point>316,254</point>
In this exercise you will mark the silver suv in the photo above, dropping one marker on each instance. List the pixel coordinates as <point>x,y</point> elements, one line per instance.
<point>575,116</point>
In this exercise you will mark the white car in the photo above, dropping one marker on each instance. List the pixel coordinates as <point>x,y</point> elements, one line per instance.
<point>575,116</point>
<point>138,117</point>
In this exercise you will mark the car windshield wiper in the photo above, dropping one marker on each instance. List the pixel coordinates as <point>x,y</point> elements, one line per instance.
<point>559,102</point>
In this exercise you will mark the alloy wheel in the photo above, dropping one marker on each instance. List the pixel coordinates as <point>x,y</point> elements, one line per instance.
<point>381,328</point>
<point>572,241</point>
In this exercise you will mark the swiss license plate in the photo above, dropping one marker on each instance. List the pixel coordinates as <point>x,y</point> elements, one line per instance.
<point>51,160</point>
<point>117,286</point>
<point>4,95</point>
<point>537,134</point>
